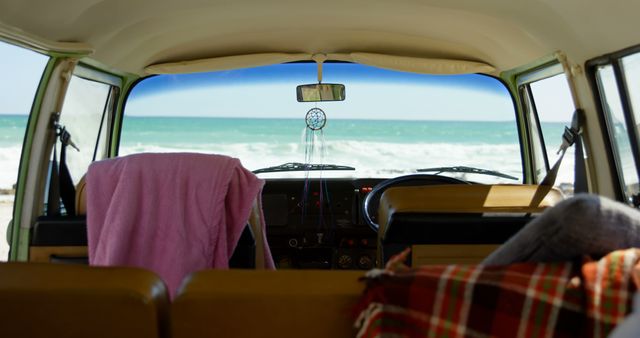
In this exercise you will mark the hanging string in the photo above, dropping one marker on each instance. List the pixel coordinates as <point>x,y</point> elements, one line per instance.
<point>308,156</point>
<point>324,193</point>
<point>313,137</point>
<point>322,151</point>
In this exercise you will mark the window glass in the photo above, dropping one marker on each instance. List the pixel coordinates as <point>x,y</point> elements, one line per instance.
<point>391,123</point>
<point>631,68</point>
<point>20,74</point>
<point>539,157</point>
<point>82,113</point>
<point>554,106</point>
<point>618,128</point>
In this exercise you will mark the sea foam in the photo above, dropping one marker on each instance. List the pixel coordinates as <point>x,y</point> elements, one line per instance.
<point>9,163</point>
<point>371,159</point>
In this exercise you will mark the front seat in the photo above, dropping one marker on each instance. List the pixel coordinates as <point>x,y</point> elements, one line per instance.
<point>248,254</point>
<point>456,224</point>
<point>171,213</point>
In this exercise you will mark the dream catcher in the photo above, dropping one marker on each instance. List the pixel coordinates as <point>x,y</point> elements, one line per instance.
<point>314,152</point>
<point>313,136</point>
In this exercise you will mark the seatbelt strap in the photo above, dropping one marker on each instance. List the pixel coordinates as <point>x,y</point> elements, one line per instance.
<point>572,135</point>
<point>67,189</point>
<point>580,184</point>
<point>53,200</point>
<point>61,184</point>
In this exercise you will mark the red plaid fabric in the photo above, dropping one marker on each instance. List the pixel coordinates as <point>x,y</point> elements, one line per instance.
<point>519,300</point>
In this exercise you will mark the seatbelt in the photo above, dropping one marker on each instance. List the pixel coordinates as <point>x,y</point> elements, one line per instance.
<point>67,189</point>
<point>53,200</point>
<point>61,184</point>
<point>572,135</point>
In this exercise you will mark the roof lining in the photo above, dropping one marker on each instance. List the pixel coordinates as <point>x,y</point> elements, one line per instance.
<point>44,45</point>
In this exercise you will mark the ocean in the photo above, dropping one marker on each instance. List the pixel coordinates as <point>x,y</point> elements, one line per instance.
<point>376,148</point>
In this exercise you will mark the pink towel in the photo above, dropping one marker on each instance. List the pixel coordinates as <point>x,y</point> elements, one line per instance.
<point>170,213</point>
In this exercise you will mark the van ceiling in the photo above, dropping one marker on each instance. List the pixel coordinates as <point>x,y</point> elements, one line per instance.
<point>129,35</point>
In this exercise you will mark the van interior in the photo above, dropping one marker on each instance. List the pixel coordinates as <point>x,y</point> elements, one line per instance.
<point>376,126</point>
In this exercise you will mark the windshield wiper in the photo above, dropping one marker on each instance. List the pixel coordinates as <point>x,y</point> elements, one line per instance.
<point>296,166</point>
<point>469,170</point>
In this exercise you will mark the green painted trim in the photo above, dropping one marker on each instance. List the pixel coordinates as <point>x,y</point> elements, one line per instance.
<point>23,242</point>
<point>511,78</point>
<point>117,116</point>
<point>524,134</point>
<point>101,67</point>
<point>89,73</point>
<point>19,249</point>
<point>511,74</point>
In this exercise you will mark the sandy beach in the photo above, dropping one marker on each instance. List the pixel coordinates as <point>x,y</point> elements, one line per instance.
<point>6,208</point>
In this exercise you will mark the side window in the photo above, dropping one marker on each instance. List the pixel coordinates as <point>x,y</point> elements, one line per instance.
<point>550,106</point>
<point>539,156</point>
<point>554,107</point>
<point>631,70</point>
<point>20,74</point>
<point>618,84</point>
<point>86,114</point>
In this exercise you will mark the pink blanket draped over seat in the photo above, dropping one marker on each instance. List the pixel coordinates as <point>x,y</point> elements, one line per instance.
<point>170,213</point>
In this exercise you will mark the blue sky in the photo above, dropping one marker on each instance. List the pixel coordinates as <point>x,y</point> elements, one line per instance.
<point>20,73</point>
<point>372,93</point>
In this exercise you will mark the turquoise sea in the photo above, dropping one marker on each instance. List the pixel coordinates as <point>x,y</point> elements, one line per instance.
<point>374,147</point>
<point>174,131</point>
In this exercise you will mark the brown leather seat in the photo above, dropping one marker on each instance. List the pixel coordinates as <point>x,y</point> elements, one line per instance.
<point>52,300</point>
<point>285,303</point>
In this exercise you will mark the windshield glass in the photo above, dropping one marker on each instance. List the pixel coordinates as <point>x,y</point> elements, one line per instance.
<point>391,123</point>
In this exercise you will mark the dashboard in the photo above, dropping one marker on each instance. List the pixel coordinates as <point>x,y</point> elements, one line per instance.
<point>311,224</point>
<point>318,224</point>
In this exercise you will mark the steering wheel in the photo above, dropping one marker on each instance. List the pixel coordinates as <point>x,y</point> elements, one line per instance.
<point>372,201</point>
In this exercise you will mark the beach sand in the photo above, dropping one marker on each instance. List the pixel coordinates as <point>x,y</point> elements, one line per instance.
<point>6,209</point>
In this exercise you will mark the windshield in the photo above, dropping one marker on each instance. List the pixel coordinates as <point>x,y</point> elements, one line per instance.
<point>391,123</point>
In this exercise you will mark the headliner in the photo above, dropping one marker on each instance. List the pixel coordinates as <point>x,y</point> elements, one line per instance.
<point>129,35</point>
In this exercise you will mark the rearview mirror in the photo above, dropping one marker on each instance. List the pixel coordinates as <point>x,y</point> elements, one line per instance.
<point>320,92</point>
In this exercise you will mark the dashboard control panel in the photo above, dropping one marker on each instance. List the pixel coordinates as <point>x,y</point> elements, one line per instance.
<point>317,224</point>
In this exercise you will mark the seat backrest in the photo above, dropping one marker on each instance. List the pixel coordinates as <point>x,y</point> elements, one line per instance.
<point>53,300</point>
<point>285,303</point>
<point>456,224</point>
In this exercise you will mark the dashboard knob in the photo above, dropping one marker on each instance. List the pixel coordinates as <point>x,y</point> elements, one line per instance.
<point>293,243</point>
<point>365,262</point>
<point>345,261</point>
<point>284,263</point>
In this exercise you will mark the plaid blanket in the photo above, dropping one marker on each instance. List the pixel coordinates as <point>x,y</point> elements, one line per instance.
<point>585,299</point>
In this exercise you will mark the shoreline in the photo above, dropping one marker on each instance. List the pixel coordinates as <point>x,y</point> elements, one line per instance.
<point>7,196</point>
